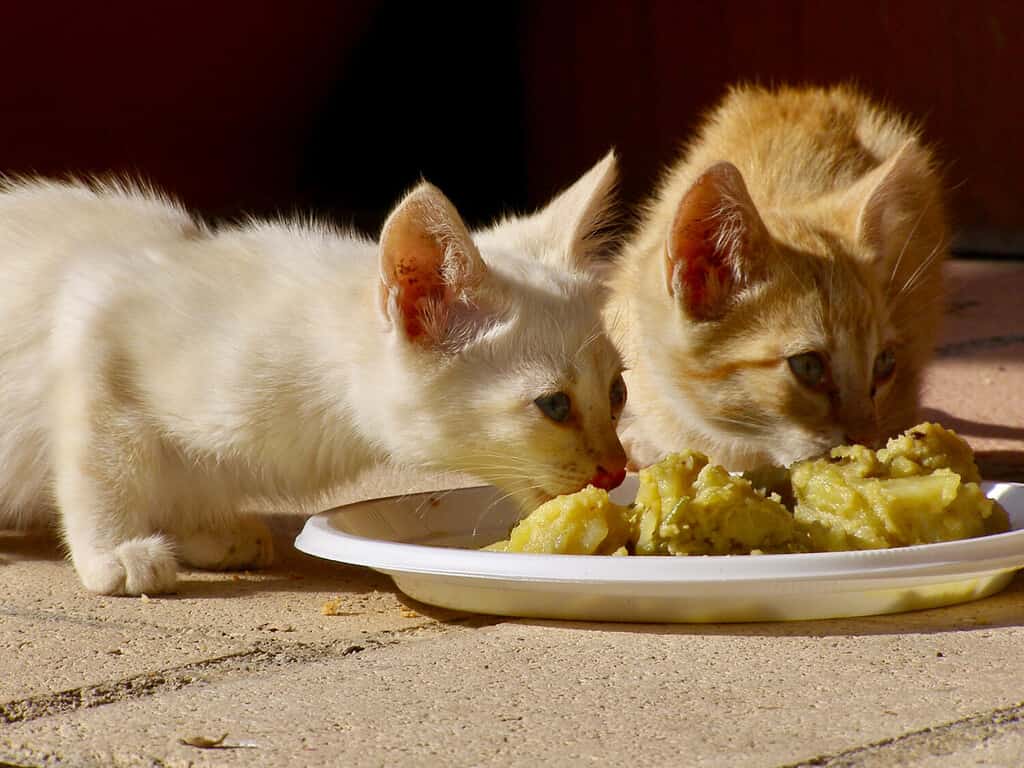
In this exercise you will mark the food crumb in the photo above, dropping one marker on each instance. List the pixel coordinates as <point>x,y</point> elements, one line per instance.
<point>202,742</point>
<point>409,613</point>
<point>333,608</point>
<point>145,598</point>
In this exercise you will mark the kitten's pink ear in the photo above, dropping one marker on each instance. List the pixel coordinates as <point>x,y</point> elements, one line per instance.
<point>712,248</point>
<point>579,217</point>
<point>429,266</point>
<point>899,205</point>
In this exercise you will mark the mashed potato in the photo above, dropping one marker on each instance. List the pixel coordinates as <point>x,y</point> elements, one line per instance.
<point>921,488</point>
<point>928,447</point>
<point>686,506</point>
<point>582,523</point>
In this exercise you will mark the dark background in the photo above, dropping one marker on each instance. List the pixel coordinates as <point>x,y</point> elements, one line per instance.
<point>337,107</point>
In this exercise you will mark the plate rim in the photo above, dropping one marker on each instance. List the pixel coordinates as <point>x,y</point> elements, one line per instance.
<point>983,555</point>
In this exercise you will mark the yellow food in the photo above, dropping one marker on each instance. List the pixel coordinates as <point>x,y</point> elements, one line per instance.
<point>582,523</point>
<point>928,447</point>
<point>332,607</point>
<point>686,506</point>
<point>921,488</point>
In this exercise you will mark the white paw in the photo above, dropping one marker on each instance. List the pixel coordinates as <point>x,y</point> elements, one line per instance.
<point>247,543</point>
<point>136,566</point>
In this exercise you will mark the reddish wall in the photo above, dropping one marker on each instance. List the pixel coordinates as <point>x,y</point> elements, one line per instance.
<point>339,106</point>
<point>638,75</point>
<point>209,100</point>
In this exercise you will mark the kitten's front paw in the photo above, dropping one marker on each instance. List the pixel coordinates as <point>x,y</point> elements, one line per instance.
<point>248,543</point>
<point>135,567</point>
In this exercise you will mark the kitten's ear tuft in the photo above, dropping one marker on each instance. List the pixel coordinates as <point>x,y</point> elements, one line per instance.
<point>582,216</point>
<point>899,204</point>
<point>429,266</point>
<point>713,245</point>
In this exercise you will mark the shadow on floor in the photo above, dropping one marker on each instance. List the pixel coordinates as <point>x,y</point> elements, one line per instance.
<point>32,545</point>
<point>343,579</point>
<point>971,428</point>
<point>978,297</point>
<point>1007,466</point>
<point>1005,609</point>
<point>292,571</point>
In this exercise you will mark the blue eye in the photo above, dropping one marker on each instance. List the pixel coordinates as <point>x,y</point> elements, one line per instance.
<point>556,407</point>
<point>618,394</point>
<point>885,364</point>
<point>810,369</point>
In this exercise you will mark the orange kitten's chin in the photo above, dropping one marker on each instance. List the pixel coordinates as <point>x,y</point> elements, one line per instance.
<point>786,458</point>
<point>739,454</point>
<point>783,452</point>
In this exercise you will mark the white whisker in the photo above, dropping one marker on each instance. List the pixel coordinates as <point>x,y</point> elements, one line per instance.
<point>906,243</point>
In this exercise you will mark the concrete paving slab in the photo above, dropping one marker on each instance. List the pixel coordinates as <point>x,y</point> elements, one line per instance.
<point>520,693</point>
<point>72,649</point>
<point>993,739</point>
<point>56,654</point>
<point>1003,748</point>
<point>251,606</point>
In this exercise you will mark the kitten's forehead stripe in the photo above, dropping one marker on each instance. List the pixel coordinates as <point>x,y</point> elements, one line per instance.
<point>728,369</point>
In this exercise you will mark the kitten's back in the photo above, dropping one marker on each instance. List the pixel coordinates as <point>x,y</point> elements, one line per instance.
<point>792,144</point>
<point>40,210</point>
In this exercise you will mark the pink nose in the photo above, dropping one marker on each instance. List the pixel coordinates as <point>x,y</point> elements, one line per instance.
<point>608,479</point>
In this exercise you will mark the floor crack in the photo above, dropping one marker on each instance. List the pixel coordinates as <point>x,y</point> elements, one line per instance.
<point>948,737</point>
<point>265,654</point>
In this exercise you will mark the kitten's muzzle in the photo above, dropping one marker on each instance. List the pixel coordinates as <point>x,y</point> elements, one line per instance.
<point>609,478</point>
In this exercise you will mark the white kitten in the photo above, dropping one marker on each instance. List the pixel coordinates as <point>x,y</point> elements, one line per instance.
<point>155,374</point>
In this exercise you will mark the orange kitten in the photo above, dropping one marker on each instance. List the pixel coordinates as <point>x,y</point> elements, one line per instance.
<point>783,291</point>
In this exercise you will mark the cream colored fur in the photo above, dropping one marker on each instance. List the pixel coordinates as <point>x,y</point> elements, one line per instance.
<point>155,374</point>
<point>827,232</point>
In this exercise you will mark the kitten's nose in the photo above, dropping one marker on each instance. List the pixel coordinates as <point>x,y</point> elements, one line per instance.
<point>609,478</point>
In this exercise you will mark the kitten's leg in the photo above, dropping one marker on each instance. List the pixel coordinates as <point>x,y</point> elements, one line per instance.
<point>112,545</point>
<point>108,560</point>
<point>245,542</point>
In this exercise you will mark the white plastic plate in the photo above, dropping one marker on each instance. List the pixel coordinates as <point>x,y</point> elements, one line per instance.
<point>427,543</point>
